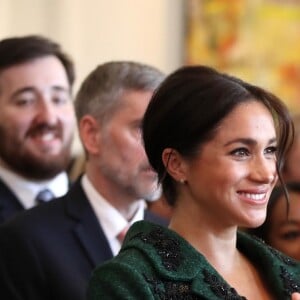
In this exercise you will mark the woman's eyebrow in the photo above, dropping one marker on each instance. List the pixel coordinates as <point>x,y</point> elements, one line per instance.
<point>248,141</point>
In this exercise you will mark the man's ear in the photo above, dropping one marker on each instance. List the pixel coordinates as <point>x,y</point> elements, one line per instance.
<point>174,164</point>
<point>89,132</point>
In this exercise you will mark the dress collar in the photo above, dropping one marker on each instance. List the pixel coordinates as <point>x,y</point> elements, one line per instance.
<point>181,266</point>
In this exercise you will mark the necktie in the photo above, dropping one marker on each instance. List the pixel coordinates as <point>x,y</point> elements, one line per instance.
<point>44,196</point>
<point>122,234</point>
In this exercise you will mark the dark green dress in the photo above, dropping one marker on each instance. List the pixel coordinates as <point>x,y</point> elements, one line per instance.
<point>156,263</point>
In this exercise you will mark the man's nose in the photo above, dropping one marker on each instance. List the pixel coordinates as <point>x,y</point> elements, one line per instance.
<point>46,111</point>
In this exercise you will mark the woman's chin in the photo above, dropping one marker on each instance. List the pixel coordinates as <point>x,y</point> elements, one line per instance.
<point>253,222</point>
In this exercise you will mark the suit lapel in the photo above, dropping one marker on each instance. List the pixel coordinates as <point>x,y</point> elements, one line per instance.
<point>9,203</point>
<point>93,241</point>
<point>86,226</point>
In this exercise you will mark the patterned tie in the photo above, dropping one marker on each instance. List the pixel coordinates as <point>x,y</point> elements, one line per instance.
<point>122,234</point>
<point>44,196</point>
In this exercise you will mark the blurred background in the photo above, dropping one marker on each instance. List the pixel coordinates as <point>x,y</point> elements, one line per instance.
<point>97,31</point>
<point>257,40</point>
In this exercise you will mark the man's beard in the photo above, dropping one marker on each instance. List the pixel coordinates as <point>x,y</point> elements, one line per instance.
<point>155,194</point>
<point>131,185</point>
<point>30,166</point>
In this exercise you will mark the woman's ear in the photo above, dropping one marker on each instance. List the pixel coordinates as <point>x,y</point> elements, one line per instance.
<point>89,134</point>
<point>174,164</point>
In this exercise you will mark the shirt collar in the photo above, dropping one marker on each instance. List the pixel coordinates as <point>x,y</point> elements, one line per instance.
<point>26,190</point>
<point>110,219</point>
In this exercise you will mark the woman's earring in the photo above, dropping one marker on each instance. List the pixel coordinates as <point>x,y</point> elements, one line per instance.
<point>182,181</point>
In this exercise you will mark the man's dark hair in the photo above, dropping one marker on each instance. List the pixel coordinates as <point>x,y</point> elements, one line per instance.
<point>17,50</point>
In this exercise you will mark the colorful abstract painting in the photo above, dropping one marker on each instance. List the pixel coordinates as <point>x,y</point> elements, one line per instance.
<point>257,40</point>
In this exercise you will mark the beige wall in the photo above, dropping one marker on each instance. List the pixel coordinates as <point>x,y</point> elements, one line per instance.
<point>96,31</point>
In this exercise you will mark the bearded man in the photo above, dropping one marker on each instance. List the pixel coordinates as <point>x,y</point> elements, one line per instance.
<point>37,122</point>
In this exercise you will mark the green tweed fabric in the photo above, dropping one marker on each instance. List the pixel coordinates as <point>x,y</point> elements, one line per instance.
<point>156,263</point>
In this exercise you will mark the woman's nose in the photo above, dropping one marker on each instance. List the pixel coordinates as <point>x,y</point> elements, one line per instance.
<point>264,170</point>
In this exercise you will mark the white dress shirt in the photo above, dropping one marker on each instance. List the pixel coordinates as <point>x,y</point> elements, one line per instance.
<point>26,190</point>
<point>109,218</point>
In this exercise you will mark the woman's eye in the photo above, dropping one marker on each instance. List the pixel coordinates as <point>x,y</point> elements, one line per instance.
<point>240,152</point>
<point>271,150</point>
<point>291,235</point>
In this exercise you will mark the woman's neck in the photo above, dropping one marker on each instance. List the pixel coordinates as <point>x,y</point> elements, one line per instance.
<point>218,245</point>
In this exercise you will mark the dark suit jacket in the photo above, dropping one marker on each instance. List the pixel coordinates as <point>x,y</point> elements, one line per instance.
<point>9,203</point>
<point>157,263</point>
<point>49,252</point>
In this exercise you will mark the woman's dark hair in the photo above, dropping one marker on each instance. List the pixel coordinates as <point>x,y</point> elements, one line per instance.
<point>17,50</point>
<point>187,108</point>
<point>263,230</point>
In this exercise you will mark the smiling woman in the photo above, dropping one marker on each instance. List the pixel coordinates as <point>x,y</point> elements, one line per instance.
<point>217,144</point>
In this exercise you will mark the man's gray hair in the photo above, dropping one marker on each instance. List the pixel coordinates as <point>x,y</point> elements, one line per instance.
<point>100,93</point>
